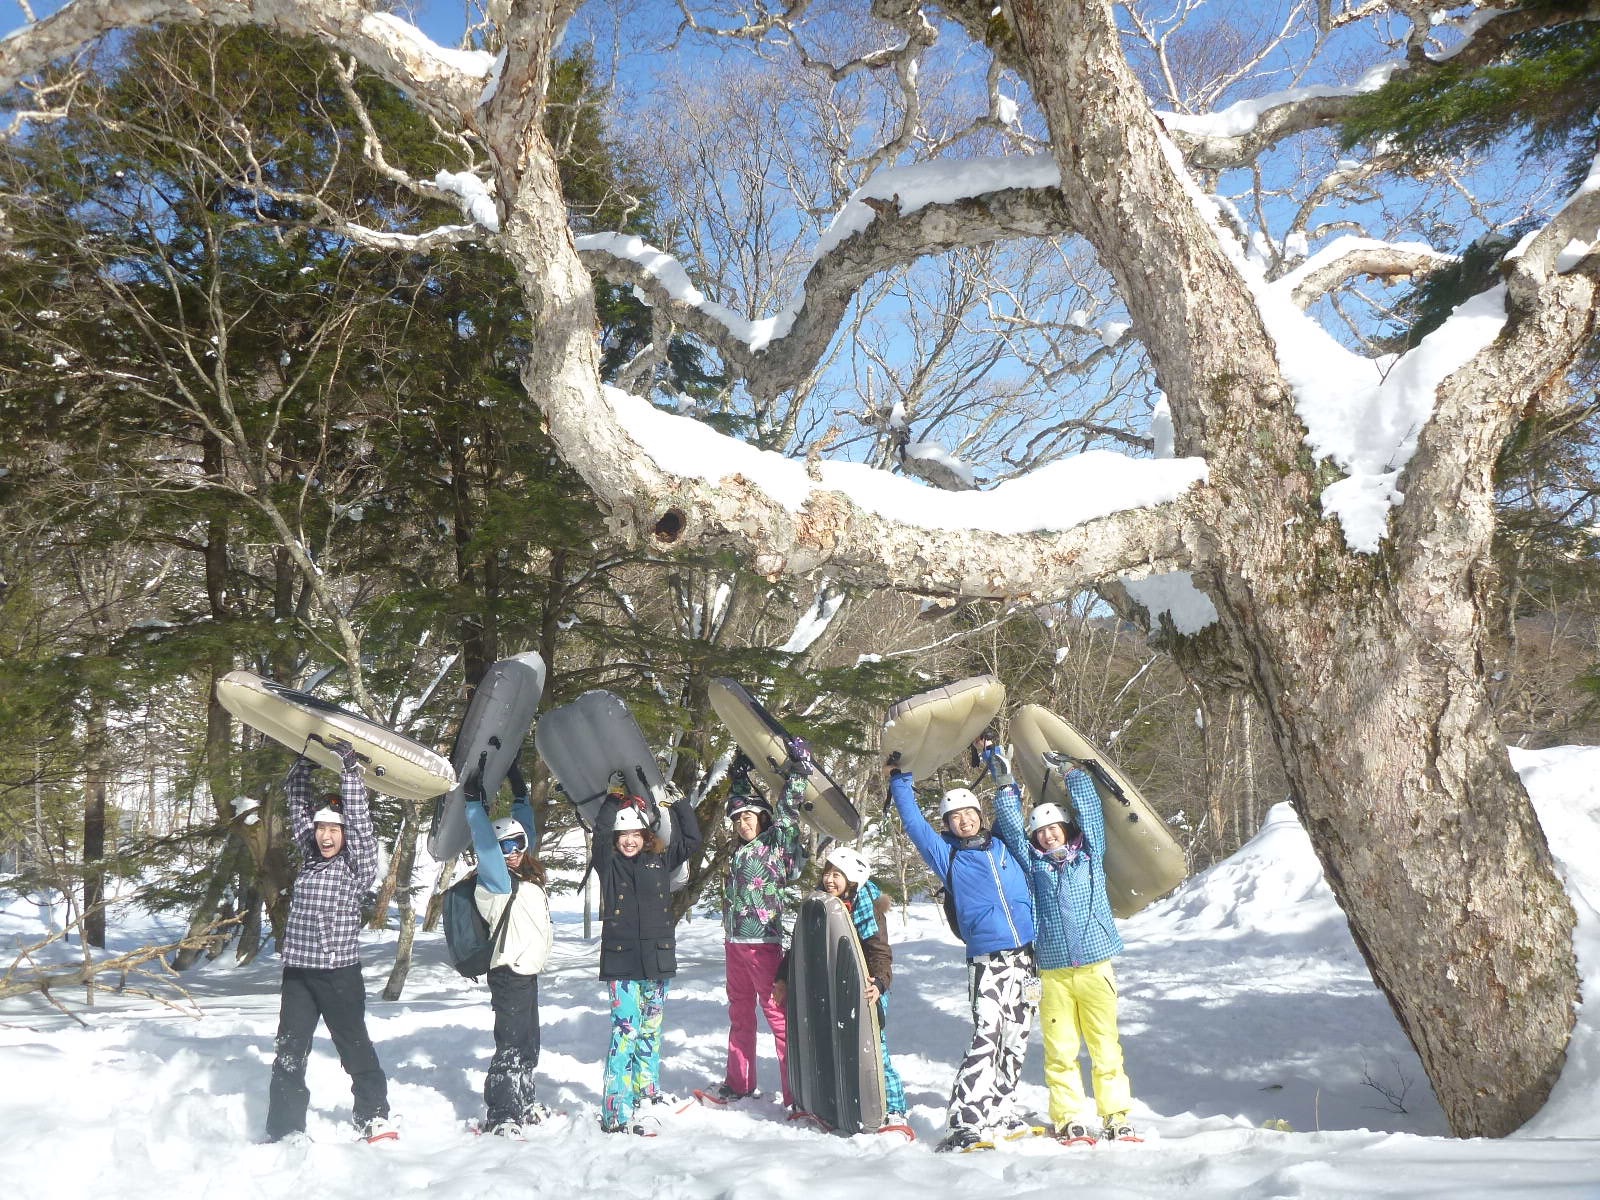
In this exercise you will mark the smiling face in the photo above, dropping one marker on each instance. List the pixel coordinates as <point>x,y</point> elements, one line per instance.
<point>330,838</point>
<point>833,881</point>
<point>1048,837</point>
<point>747,826</point>
<point>630,842</point>
<point>964,822</point>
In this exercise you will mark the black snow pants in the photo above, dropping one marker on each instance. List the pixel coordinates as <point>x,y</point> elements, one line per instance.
<point>508,1089</point>
<point>338,997</point>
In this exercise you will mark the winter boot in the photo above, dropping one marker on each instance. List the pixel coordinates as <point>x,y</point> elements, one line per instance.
<point>962,1138</point>
<point>1118,1129</point>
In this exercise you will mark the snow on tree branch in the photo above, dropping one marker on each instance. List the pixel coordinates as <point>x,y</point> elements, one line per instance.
<point>1348,258</point>
<point>1568,242</point>
<point>1059,527</point>
<point>448,83</point>
<point>1235,136</point>
<point>898,215</point>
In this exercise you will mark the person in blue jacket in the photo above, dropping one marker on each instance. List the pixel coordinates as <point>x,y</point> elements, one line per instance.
<point>1077,939</point>
<point>994,913</point>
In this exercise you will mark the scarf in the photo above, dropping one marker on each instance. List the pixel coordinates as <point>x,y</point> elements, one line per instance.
<point>1068,853</point>
<point>864,910</point>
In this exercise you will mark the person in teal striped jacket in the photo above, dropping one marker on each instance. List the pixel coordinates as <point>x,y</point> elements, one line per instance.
<point>1065,853</point>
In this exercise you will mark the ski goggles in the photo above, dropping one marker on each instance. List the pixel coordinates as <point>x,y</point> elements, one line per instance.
<point>513,845</point>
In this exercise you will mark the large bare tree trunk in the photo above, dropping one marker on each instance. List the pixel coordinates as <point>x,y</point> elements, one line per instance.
<point>1366,665</point>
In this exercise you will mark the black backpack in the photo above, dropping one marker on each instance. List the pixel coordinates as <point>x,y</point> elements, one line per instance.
<point>947,896</point>
<point>466,933</point>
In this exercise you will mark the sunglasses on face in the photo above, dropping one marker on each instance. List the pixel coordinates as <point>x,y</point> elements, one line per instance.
<point>512,845</point>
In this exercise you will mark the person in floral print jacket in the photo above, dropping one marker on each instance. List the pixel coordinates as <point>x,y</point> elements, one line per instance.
<point>769,859</point>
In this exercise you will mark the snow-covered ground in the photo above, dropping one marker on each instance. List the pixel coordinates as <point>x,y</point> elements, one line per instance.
<point>1244,1002</point>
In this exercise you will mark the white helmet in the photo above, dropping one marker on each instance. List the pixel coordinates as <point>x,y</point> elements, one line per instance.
<point>955,800</point>
<point>630,818</point>
<point>1047,814</point>
<point>849,863</point>
<point>510,827</point>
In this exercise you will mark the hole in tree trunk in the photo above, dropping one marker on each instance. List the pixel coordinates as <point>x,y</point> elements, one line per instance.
<point>670,527</point>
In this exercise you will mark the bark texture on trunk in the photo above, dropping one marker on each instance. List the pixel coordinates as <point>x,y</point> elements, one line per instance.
<point>94,827</point>
<point>1368,667</point>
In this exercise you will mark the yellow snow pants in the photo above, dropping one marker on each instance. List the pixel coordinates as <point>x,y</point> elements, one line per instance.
<point>1080,1005</point>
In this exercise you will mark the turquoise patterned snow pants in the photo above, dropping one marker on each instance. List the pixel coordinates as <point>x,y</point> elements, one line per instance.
<point>894,1092</point>
<point>634,1063</point>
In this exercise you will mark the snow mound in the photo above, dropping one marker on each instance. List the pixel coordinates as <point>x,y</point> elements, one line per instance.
<point>1564,784</point>
<point>1273,885</point>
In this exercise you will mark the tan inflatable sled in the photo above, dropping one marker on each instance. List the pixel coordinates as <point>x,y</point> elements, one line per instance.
<point>933,727</point>
<point>396,765</point>
<point>761,737</point>
<point>1143,860</point>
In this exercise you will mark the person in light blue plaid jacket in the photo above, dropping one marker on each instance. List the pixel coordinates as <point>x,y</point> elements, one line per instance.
<point>1064,848</point>
<point>321,966</point>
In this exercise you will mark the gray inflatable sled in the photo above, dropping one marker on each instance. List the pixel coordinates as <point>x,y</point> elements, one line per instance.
<point>487,745</point>
<point>585,742</point>
<point>835,1069</point>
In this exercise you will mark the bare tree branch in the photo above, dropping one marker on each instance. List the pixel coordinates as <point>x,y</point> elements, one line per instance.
<point>772,355</point>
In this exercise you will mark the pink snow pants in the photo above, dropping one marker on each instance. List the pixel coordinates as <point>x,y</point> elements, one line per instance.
<point>751,969</point>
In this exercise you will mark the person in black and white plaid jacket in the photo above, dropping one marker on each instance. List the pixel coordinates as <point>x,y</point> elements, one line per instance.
<point>321,966</point>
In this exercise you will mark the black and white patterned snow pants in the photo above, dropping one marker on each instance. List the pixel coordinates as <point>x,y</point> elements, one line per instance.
<point>998,986</point>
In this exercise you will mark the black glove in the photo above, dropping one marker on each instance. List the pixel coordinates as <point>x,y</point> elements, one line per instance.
<point>739,774</point>
<point>347,754</point>
<point>800,761</point>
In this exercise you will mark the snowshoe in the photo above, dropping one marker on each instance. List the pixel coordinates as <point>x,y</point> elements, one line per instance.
<point>896,1124</point>
<point>1076,1133</point>
<point>722,1096</point>
<point>1015,1129</point>
<point>537,1114</point>
<point>801,1116</point>
<point>1117,1129</point>
<point>379,1129</point>
<point>963,1139</point>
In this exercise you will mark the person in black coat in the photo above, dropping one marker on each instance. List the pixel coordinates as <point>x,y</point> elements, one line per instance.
<point>638,946</point>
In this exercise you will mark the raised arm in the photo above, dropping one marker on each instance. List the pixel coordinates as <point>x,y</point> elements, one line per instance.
<point>492,873</point>
<point>790,841</point>
<point>1091,813</point>
<point>361,844</point>
<point>685,843</point>
<point>1008,825</point>
<point>933,848</point>
<point>297,791</point>
<point>601,846</point>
